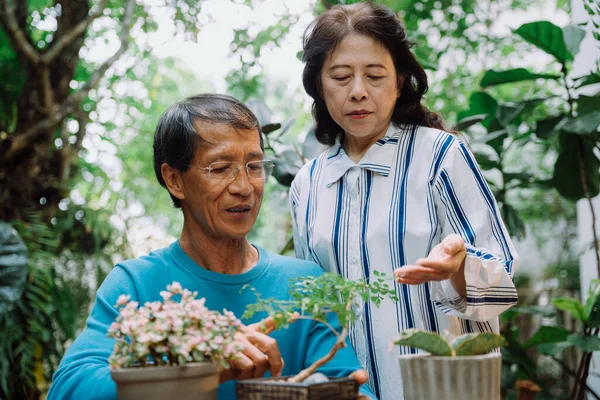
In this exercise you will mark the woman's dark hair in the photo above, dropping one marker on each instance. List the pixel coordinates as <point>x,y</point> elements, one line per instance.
<point>176,139</point>
<point>379,23</point>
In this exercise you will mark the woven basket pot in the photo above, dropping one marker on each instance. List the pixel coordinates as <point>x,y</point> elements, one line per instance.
<point>198,381</point>
<point>451,378</point>
<point>279,389</point>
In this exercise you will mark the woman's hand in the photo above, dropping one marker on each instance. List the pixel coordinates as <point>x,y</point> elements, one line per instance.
<point>445,261</point>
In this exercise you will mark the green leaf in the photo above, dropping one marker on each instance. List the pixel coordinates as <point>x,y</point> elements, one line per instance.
<point>481,103</point>
<point>585,343</point>
<point>486,162</point>
<point>572,306</point>
<point>588,104</point>
<point>513,220</point>
<point>573,35</point>
<point>585,80</point>
<point>548,127</point>
<point>553,349</point>
<point>567,177</point>
<point>473,344</point>
<point>469,121</point>
<point>547,334</point>
<point>545,311</point>
<point>582,124</point>
<point>287,165</point>
<point>591,310</point>
<point>493,77</point>
<point>13,267</point>
<point>427,341</point>
<point>547,37</point>
<point>268,128</point>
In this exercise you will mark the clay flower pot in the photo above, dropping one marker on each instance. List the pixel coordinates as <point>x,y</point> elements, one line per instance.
<point>197,381</point>
<point>451,378</point>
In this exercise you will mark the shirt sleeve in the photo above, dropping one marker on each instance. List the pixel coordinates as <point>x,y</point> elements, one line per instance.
<point>321,341</point>
<point>466,206</point>
<point>84,370</point>
<point>300,245</point>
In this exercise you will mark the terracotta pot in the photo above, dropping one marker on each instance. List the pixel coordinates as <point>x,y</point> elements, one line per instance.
<point>198,381</point>
<point>279,389</point>
<point>451,378</point>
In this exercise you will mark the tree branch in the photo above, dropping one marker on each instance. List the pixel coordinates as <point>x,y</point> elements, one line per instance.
<point>18,37</point>
<point>58,46</point>
<point>26,140</point>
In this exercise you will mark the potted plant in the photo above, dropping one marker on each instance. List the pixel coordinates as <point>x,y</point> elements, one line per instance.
<point>173,348</point>
<point>315,298</point>
<point>462,368</point>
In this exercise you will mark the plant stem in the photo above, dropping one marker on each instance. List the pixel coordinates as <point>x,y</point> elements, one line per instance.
<point>574,375</point>
<point>340,343</point>
<point>586,191</point>
<point>305,373</point>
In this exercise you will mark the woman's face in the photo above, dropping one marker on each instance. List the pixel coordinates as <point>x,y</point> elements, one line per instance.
<point>360,87</point>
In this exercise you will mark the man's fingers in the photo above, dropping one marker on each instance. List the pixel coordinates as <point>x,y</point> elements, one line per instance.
<point>268,346</point>
<point>241,368</point>
<point>265,326</point>
<point>268,325</point>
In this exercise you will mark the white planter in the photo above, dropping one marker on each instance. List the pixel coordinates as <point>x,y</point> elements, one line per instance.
<point>198,381</point>
<point>451,378</point>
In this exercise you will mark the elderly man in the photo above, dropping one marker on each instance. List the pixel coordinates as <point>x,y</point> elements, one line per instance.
<point>208,153</point>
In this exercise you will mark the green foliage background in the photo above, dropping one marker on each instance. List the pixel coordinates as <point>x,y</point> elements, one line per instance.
<point>520,123</point>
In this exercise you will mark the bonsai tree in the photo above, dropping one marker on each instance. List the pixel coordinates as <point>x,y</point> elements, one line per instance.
<point>470,344</point>
<point>317,297</point>
<point>176,331</point>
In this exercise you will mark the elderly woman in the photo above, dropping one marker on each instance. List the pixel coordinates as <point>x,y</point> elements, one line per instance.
<point>395,192</point>
<point>208,153</point>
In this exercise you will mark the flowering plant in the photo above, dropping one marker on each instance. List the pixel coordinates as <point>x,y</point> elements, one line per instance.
<point>171,332</point>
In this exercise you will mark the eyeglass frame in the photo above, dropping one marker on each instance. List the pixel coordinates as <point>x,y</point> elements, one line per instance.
<point>238,168</point>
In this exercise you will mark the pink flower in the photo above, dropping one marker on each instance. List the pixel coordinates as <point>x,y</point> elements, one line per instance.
<point>123,299</point>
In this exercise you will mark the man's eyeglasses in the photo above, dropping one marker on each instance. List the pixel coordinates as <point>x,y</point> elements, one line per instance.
<point>225,171</point>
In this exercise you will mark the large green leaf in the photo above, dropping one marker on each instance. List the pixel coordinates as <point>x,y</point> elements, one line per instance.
<point>287,165</point>
<point>591,311</point>
<point>573,35</point>
<point>567,178</point>
<point>13,267</point>
<point>583,124</point>
<point>428,341</point>
<point>585,343</point>
<point>585,80</point>
<point>493,77</point>
<point>513,220</point>
<point>548,334</point>
<point>546,36</point>
<point>572,306</point>
<point>588,104</point>
<point>469,121</point>
<point>481,103</point>
<point>554,349</point>
<point>545,128</point>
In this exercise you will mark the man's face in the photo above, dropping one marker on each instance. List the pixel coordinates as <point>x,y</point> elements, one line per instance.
<point>224,209</point>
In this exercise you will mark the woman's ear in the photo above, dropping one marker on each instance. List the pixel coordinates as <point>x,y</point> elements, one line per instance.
<point>401,79</point>
<point>173,180</point>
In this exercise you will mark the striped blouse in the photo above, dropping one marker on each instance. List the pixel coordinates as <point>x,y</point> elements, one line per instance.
<point>411,189</point>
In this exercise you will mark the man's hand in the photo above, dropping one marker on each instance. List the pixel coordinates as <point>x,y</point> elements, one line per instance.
<point>260,353</point>
<point>361,376</point>
<point>445,261</point>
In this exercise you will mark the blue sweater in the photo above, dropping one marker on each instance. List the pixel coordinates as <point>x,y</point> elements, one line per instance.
<point>84,372</point>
